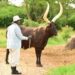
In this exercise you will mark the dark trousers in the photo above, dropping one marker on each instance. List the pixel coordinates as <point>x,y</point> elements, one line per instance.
<point>7,54</point>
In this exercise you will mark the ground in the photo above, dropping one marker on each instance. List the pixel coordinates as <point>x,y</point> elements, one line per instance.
<point>52,56</point>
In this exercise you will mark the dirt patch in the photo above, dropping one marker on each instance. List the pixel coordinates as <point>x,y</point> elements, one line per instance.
<point>52,56</point>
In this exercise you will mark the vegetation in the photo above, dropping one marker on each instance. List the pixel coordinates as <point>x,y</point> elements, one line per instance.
<point>28,11</point>
<point>30,23</point>
<point>2,37</point>
<point>8,11</point>
<point>63,70</point>
<point>61,38</point>
<point>32,16</point>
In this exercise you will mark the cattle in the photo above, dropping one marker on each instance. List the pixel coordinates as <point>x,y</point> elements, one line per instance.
<point>40,35</point>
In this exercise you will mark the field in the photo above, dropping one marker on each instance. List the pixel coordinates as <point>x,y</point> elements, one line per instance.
<point>55,60</point>
<point>60,39</point>
<point>52,58</point>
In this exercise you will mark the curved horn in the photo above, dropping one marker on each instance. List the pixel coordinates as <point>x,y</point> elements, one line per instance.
<point>59,14</point>
<point>46,13</point>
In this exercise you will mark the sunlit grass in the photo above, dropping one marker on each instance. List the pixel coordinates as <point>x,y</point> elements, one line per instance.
<point>2,37</point>
<point>60,39</point>
<point>52,41</point>
<point>64,70</point>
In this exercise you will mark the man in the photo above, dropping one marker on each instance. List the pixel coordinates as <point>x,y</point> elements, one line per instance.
<point>14,37</point>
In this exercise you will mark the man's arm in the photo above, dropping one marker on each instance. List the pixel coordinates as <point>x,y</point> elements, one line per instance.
<point>20,35</point>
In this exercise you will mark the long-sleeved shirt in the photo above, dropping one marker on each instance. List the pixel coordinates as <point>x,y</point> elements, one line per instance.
<point>14,37</point>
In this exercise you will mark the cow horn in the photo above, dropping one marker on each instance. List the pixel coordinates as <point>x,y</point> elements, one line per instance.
<point>46,13</point>
<point>59,14</point>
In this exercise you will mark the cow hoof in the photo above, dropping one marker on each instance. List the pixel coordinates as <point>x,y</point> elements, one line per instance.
<point>39,65</point>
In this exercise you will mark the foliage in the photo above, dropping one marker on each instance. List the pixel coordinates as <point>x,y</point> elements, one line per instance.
<point>71,21</point>
<point>7,12</point>
<point>62,36</point>
<point>30,23</point>
<point>66,32</point>
<point>36,12</point>
<point>61,22</point>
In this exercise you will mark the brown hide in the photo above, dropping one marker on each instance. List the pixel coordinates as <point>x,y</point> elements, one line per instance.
<point>39,39</point>
<point>40,35</point>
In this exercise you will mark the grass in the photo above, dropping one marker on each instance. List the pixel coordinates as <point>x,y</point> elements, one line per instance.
<point>60,39</point>
<point>62,36</point>
<point>64,70</point>
<point>56,41</point>
<point>2,37</point>
<point>51,41</point>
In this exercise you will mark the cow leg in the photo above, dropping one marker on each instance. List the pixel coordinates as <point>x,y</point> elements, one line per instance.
<point>7,54</point>
<point>38,57</point>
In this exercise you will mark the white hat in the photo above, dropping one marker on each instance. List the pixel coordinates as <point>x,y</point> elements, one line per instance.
<point>16,18</point>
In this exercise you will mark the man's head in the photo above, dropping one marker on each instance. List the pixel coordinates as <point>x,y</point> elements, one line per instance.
<point>16,19</point>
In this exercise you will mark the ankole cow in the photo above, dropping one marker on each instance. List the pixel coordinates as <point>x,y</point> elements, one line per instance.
<point>40,35</point>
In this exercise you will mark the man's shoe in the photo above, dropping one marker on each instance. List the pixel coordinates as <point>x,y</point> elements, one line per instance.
<point>14,71</point>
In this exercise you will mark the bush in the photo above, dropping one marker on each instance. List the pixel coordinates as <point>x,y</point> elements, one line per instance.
<point>61,22</point>
<point>62,36</point>
<point>7,12</point>
<point>30,23</point>
<point>36,12</point>
<point>66,32</point>
<point>71,21</point>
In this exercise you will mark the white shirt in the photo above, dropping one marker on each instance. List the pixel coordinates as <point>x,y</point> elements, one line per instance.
<point>14,37</point>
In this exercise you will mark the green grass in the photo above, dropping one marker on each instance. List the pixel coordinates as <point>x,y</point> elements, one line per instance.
<point>64,70</point>
<point>56,41</point>
<point>60,39</point>
<point>51,41</point>
<point>2,37</point>
<point>62,36</point>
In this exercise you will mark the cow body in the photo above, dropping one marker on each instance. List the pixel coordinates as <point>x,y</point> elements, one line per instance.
<point>40,36</point>
<point>37,39</point>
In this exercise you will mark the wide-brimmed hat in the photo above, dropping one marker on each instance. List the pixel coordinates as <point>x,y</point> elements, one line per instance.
<point>16,18</point>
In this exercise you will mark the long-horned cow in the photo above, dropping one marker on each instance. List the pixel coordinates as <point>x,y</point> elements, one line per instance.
<point>40,35</point>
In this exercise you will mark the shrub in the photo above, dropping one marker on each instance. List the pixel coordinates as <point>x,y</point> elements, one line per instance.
<point>36,12</point>
<point>71,21</point>
<point>66,32</point>
<point>30,23</point>
<point>8,11</point>
<point>62,36</point>
<point>61,22</point>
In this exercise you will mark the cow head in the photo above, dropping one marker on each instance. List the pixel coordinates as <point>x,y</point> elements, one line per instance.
<point>51,27</point>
